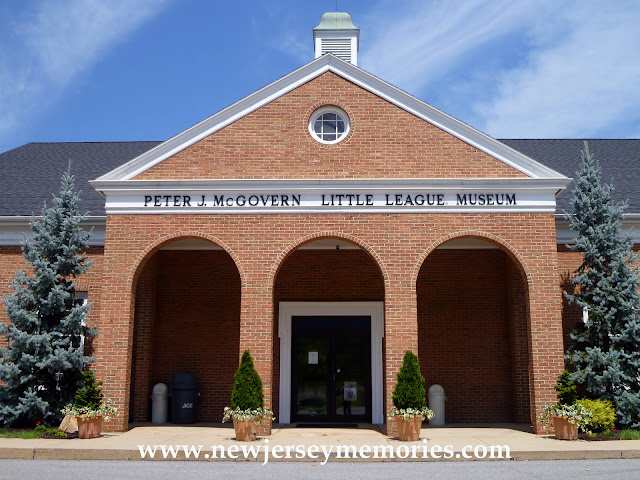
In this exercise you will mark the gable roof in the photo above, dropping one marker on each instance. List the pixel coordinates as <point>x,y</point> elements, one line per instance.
<point>31,173</point>
<point>619,160</point>
<point>356,75</point>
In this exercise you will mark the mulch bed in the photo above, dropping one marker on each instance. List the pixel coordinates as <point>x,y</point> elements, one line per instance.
<point>599,437</point>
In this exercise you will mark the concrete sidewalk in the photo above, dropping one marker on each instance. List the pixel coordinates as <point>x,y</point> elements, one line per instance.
<point>124,446</point>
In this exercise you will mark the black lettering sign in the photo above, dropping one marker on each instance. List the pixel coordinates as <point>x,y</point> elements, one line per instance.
<point>332,200</point>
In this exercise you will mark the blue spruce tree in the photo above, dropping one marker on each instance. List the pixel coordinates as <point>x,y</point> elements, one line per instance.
<point>605,353</point>
<point>41,366</point>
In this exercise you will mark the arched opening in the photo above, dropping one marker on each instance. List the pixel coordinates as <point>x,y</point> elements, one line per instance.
<point>186,319</point>
<point>473,329</point>
<point>328,299</point>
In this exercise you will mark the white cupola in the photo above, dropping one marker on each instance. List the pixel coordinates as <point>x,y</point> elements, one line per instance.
<point>337,35</point>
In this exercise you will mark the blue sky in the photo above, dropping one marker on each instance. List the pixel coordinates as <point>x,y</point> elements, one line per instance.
<point>105,70</point>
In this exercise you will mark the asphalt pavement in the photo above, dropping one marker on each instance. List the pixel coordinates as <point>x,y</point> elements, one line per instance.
<point>153,470</point>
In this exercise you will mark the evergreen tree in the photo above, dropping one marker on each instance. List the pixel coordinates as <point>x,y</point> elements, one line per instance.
<point>409,390</point>
<point>41,366</point>
<point>90,395</point>
<point>247,391</point>
<point>566,388</point>
<point>606,349</point>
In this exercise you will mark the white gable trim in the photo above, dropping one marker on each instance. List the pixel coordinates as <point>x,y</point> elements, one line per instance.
<point>356,75</point>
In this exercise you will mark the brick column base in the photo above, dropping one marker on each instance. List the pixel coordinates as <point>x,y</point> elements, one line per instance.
<point>265,428</point>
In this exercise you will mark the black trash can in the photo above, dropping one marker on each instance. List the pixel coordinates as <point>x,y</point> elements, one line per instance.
<point>184,398</point>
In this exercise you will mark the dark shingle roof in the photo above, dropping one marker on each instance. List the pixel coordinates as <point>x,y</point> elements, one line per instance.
<point>619,159</point>
<point>31,173</point>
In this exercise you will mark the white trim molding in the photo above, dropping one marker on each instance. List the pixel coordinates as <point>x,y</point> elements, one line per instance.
<point>565,236</point>
<point>13,229</point>
<point>354,74</point>
<point>477,195</point>
<point>375,310</point>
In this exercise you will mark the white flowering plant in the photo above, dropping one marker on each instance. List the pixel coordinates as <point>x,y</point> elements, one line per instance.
<point>409,414</point>
<point>574,414</point>
<point>249,415</point>
<point>104,410</point>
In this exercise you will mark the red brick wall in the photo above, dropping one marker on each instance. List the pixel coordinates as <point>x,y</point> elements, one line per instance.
<point>144,328</point>
<point>192,326</point>
<point>466,335</point>
<point>323,276</point>
<point>384,142</point>
<point>11,260</point>
<point>518,297</point>
<point>398,243</point>
<point>568,262</point>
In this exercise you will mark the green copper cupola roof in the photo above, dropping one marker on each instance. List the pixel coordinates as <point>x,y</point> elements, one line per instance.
<point>336,21</point>
<point>336,34</point>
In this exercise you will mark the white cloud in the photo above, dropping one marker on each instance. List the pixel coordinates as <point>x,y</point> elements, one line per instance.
<point>51,44</point>
<point>414,46</point>
<point>514,69</point>
<point>585,85</point>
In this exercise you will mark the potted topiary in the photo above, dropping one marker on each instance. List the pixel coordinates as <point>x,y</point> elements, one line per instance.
<point>90,408</point>
<point>409,403</point>
<point>247,401</point>
<point>567,415</point>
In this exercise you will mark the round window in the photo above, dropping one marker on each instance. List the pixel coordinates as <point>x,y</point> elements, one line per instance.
<point>329,124</point>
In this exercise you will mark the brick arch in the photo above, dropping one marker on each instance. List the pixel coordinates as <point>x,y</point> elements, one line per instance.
<point>293,246</point>
<point>505,246</point>
<point>141,365</point>
<point>143,257</point>
<point>519,381</point>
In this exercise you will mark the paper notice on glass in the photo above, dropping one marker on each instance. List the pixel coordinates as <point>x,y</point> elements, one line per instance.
<point>313,358</point>
<point>350,391</point>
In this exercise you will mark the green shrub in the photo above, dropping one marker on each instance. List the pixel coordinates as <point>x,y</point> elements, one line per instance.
<point>567,390</point>
<point>90,395</point>
<point>604,414</point>
<point>409,390</point>
<point>247,391</point>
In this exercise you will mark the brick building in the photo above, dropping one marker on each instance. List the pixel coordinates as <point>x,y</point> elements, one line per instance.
<point>328,223</point>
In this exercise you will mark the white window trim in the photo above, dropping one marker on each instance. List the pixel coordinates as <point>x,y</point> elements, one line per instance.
<point>82,298</point>
<point>375,310</point>
<point>329,109</point>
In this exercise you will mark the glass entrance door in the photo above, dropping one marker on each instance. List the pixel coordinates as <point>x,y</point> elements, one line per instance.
<point>331,374</point>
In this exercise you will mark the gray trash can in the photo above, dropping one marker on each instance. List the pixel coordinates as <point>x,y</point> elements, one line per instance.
<point>436,403</point>
<point>184,398</point>
<point>159,402</point>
